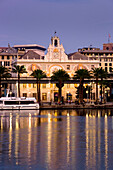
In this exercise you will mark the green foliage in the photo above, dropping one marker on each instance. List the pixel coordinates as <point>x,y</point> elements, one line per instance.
<point>60,75</point>
<point>39,74</point>
<point>4,72</point>
<point>82,74</point>
<point>19,69</point>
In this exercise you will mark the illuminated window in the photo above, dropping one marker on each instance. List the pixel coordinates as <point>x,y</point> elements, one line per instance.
<point>34,85</point>
<point>29,85</point>
<point>24,86</point>
<point>68,85</point>
<point>51,85</point>
<point>44,96</point>
<point>43,85</point>
<point>75,85</point>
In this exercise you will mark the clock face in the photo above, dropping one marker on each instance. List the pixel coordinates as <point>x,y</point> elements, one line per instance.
<point>56,54</point>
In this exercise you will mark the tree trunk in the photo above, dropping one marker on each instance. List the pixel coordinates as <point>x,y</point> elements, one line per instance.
<point>101,89</point>
<point>60,91</point>
<point>18,85</point>
<point>96,89</point>
<point>59,94</point>
<point>0,89</point>
<point>39,93</point>
<point>81,92</point>
<point>104,95</point>
<point>37,90</point>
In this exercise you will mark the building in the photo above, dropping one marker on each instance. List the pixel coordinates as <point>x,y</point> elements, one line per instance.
<point>55,59</point>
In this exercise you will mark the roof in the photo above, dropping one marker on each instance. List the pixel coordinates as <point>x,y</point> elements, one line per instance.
<point>8,51</point>
<point>77,56</point>
<point>96,51</point>
<point>32,55</point>
<point>30,46</point>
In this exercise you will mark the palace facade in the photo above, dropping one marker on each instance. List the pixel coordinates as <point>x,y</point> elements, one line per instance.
<point>55,59</point>
<point>33,57</point>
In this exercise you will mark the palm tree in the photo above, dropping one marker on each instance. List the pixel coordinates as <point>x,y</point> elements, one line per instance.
<point>103,74</point>
<point>4,73</point>
<point>19,70</point>
<point>38,74</point>
<point>81,74</point>
<point>99,73</point>
<point>96,75</point>
<point>60,76</point>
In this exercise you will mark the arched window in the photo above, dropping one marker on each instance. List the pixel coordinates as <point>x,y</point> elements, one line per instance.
<point>55,43</point>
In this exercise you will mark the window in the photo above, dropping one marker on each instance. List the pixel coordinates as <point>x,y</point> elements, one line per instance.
<point>92,66</point>
<point>2,57</point>
<point>24,94</point>
<point>107,48</point>
<point>105,59</point>
<point>8,63</point>
<point>34,95</point>
<point>99,64</point>
<point>24,86</point>
<point>106,69</point>
<point>43,85</point>
<point>51,85</point>
<point>44,96</point>
<point>5,63</point>
<point>105,64</point>
<point>110,64</point>
<point>55,43</point>
<point>34,85</point>
<point>68,86</point>
<point>8,57</point>
<point>110,69</point>
<point>68,67</point>
<point>29,85</point>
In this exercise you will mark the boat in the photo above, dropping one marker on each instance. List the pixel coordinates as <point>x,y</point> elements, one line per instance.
<point>22,103</point>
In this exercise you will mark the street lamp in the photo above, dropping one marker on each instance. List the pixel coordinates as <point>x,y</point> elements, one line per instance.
<point>105,96</point>
<point>87,95</point>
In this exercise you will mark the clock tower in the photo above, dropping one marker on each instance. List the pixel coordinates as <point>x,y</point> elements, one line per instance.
<point>55,51</point>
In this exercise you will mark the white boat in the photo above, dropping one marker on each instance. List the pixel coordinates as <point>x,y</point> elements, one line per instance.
<point>18,103</point>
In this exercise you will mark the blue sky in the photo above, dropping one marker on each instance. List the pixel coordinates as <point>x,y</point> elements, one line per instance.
<point>78,23</point>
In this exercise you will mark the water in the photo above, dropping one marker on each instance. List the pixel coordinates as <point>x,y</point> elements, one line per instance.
<point>56,140</point>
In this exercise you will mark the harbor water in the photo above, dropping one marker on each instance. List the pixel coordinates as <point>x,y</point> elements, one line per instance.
<point>56,139</point>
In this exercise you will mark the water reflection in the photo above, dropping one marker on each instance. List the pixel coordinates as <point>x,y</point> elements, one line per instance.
<point>56,139</point>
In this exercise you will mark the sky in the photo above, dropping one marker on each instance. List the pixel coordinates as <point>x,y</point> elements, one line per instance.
<point>78,23</point>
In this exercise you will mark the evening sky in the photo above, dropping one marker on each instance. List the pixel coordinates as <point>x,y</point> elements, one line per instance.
<point>78,23</point>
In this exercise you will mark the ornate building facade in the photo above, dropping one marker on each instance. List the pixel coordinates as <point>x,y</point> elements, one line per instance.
<point>55,59</point>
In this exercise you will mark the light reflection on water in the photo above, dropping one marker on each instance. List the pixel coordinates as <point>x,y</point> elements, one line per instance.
<point>56,139</point>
